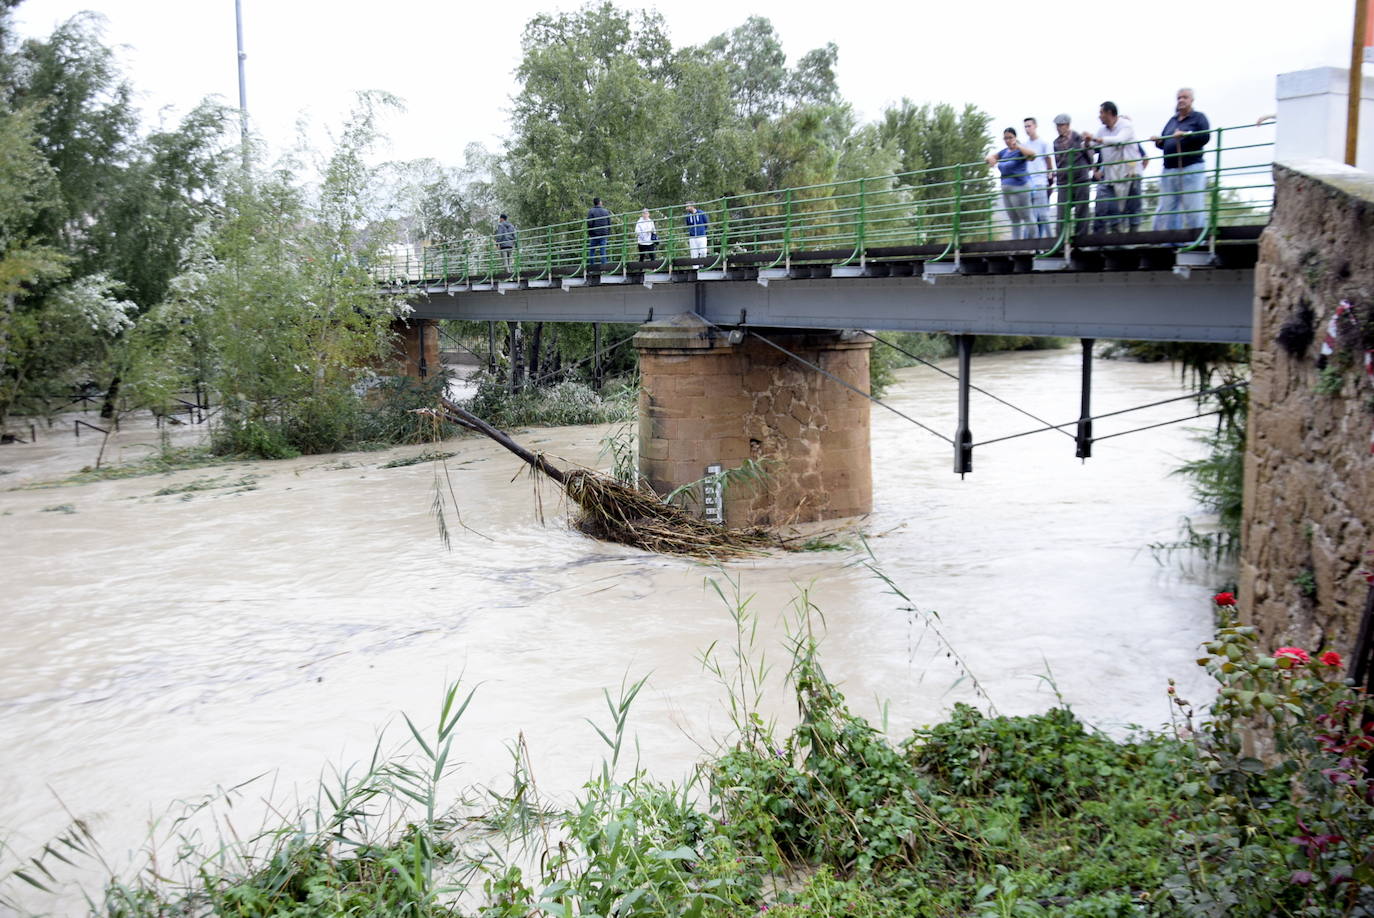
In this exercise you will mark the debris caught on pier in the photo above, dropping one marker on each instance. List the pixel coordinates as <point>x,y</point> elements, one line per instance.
<point>616,512</point>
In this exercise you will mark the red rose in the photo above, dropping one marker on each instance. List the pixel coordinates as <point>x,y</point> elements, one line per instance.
<point>1224,599</point>
<point>1331,658</point>
<point>1296,654</point>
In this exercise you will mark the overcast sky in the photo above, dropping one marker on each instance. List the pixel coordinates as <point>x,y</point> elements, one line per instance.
<point>453,63</point>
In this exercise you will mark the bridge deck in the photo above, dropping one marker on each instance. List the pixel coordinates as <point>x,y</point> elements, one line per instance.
<point>1117,286</point>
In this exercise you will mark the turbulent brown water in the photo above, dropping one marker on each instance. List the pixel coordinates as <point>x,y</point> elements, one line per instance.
<point>273,620</point>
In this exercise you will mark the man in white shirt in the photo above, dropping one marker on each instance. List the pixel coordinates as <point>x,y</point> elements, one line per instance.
<point>1042,177</point>
<point>1119,161</point>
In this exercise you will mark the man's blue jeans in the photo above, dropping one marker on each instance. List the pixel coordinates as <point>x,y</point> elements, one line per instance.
<point>1041,225</point>
<point>596,250</point>
<point>1181,199</point>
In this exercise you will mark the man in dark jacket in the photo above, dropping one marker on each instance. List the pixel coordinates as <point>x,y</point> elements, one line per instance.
<point>598,228</point>
<point>1181,184</point>
<point>505,241</point>
<point>1073,170</point>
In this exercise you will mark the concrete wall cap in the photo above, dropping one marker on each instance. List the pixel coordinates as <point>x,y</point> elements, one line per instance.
<point>1319,81</point>
<point>684,331</point>
<point>1348,179</point>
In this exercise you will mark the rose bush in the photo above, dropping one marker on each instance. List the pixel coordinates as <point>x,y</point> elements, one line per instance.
<point>1278,814</point>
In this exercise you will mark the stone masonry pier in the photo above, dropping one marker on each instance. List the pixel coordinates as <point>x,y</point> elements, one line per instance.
<point>714,397</point>
<point>417,347</point>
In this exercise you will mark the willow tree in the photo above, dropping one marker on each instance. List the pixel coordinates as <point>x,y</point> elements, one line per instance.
<point>275,307</point>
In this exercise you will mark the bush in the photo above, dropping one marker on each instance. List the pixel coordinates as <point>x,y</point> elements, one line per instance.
<point>566,403</point>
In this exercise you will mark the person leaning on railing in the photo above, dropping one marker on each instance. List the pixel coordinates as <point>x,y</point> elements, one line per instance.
<point>1184,178</point>
<point>1118,156</point>
<point>1012,161</point>
<point>1042,178</point>
<point>1073,170</point>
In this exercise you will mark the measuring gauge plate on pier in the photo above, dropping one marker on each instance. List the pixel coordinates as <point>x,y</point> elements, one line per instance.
<point>539,282</point>
<point>614,279</point>
<point>711,275</point>
<point>712,495</point>
<point>1049,264</point>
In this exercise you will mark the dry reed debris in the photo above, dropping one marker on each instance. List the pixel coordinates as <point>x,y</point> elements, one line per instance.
<point>615,512</point>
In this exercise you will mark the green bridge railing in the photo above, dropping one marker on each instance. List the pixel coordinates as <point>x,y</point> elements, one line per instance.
<point>930,215</point>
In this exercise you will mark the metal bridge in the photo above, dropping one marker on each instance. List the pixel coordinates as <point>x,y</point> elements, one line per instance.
<point>931,250</point>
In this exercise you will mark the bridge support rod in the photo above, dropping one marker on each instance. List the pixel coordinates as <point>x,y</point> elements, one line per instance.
<point>420,330</point>
<point>963,437</point>
<point>491,349</point>
<point>596,355</point>
<point>1084,437</point>
<point>517,358</point>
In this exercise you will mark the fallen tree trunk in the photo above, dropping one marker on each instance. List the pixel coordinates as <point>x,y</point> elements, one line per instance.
<point>616,512</point>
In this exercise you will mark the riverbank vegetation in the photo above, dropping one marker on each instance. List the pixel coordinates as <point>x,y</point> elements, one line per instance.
<point>984,814</point>
<point>1219,374</point>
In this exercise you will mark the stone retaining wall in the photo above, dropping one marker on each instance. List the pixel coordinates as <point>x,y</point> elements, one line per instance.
<point>1309,472</point>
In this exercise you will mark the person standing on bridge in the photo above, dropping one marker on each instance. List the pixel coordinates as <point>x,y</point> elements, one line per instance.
<point>1184,177</point>
<point>505,241</point>
<point>598,228</point>
<point>696,221</point>
<point>1073,171</point>
<point>1012,161</point>
<point>1042,178</point>
<point>646,235</point>
<point>1116,146</point>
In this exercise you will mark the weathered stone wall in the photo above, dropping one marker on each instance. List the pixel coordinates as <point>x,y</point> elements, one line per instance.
<point>407,334</point>
<point>1309,473</point>
<point>704,399</point>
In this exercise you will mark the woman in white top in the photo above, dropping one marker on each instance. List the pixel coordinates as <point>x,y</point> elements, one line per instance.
<point>646,234</point>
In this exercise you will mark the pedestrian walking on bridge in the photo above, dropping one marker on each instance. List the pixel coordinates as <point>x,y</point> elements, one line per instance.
<point>505,241</point>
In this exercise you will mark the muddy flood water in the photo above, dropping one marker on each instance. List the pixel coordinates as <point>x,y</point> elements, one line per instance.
<point>171,634</point>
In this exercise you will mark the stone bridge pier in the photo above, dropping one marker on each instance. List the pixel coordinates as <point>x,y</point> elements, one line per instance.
<point>711,397</point>
<point>417,347</point>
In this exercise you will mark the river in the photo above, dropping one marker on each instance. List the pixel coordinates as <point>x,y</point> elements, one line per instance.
<point>275,616</point>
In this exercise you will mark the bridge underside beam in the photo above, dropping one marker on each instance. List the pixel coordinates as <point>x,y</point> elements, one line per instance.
<point>1210,305</point>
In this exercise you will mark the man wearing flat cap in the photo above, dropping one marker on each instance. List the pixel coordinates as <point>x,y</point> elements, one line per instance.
<point>1073,163</point>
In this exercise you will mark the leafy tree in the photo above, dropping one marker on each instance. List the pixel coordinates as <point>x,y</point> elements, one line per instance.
<point>590,112</point>
<point>106,213</point>
<point>760,82</point>
<point>86,129</point>
<point>928,136</point>
<point>928,139</point>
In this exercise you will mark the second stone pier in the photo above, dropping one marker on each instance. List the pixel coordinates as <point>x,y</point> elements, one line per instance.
<point>714,397</point>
